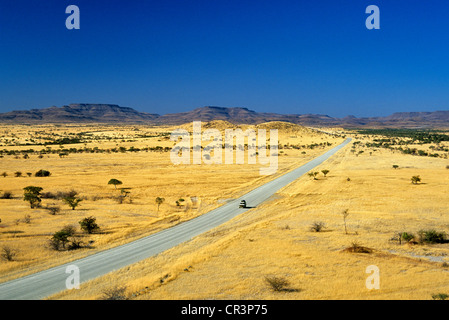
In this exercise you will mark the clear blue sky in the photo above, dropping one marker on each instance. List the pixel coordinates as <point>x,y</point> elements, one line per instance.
<point>269,56</point>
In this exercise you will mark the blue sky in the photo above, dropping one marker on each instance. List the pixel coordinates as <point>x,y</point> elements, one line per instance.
<point>269,56</point>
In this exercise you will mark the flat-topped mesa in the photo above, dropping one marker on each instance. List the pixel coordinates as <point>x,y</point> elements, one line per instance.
<point>113,113</point>
<point>79,112</point>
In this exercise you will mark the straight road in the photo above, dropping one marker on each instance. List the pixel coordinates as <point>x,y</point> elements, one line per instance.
<point>45,283</point>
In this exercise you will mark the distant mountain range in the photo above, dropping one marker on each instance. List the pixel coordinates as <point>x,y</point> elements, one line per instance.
<point>110,113</point>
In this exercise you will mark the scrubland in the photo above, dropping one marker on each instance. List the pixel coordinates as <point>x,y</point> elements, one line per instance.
<point>298,245</point>
<point>84,159</point>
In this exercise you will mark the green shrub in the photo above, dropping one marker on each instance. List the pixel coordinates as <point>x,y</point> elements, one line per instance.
<point>431,236</point>
<point>407,236</point>
<point>42,173</point>
<point>440,296</point>
<point>32,194</point>
<point>89,225</point>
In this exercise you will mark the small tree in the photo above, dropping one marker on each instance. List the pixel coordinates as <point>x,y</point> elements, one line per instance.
<point>65,236</point>
<point>123,194</point>
<point>59,239</point>
<point>416,179</point>
<point>4,174</point>
<point>89,225</point>
<point>73,202</point>
<point>395,166</point>
<point>18,173</point>
<point>345,214</point>
<point>32,195</point>
<point>159,201</point>
<point>115,182</point>
<point>313,175</point>
<point>325,172</point>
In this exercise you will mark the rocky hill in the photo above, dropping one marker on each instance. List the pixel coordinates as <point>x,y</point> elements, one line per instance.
<point>78,113</point>
<point>110,113</point>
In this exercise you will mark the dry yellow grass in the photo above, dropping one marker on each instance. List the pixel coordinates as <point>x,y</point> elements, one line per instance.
<point>147,174</point>
<point>232,261</point>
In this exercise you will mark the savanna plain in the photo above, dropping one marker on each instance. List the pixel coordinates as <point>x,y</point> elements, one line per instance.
<point>381,202</point>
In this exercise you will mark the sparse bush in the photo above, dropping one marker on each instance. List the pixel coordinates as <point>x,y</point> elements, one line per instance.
<point>48,195</point>
<point>124,193</point>
<point>65,239</point>
<point>277,283</point>
<point>407,236</point>
<point>59,239</point>
<point>42,173</point>
<point>69,229</point>
<point>27,218</point>
<point>96,198</point>
<point>53,210</point>
<point>317,226</point>
<point>416,179</point>
<point>4,174</point>
<point>8,254</point>
<point>116,293</point>
<point>6,195</point>
<point>18,173</point>
<point>440,296</point>
<point>356,248</point>
<point>431,236</point>
<point>75,243</point>
<point>66,194</point>
<point>89,225</point>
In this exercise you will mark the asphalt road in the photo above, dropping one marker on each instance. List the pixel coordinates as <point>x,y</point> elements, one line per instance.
<point>45,283</point>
